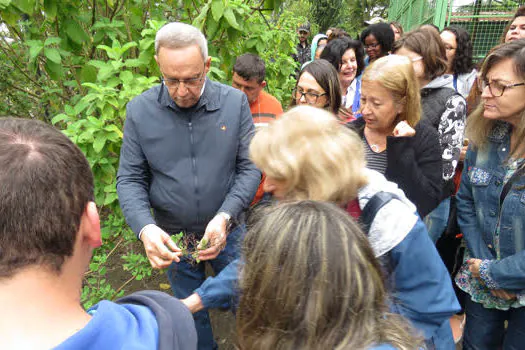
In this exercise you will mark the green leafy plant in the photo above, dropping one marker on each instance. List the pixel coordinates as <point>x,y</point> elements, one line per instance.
<point>76,64</point>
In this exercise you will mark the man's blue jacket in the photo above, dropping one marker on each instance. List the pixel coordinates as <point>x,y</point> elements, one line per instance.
<point>186,164</point>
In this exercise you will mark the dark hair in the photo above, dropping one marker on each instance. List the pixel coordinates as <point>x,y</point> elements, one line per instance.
<point>335,49</point>
<point>328,78</point>
<point>250,66</point>
<point>398,26</point>
<point>338,33</point>
<point>383,34</point>
<point>428,44</point>
<point>519,13</point>
<point>46,183</point>
<point>463,59</point>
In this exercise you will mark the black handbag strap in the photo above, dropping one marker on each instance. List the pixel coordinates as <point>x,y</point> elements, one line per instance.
<point>378,201</point>
<point>508,185</point>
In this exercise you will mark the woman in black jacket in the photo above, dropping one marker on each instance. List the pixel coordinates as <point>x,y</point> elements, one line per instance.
<point>397,144</point>
<point>442,106</point>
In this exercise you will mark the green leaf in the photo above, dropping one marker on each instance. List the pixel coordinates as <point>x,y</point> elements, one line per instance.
<point>199,20</point>
<point>88,73</point>
<point>212,27</point>
<point>4,4</point>
<point>70,111</point>
<point>128,46</point>
<point>55,71</point>
<point>35,47</point>
<point>217,9</point>
<point>110,198</point>
<point>115,129</point>
<point>52,40</point>
<point>50,7</point>
<point>97,63</point>
<point>59,118</point>
<point>99,143</point>
<point>26,6</point>
<point>251,43</point>
<point>126,76</point>
<point>80,106</point>
<point>230,17</point>
<point>53,55</point>
<point>75,32</point>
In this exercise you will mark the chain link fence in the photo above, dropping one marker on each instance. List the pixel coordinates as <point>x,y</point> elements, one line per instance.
<point>485,20</point>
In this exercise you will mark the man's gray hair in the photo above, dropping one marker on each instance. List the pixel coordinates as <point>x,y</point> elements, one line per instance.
<point>177,35</point>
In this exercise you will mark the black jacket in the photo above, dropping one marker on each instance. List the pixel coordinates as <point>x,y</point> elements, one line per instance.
<point>186,164</point>
<point>414,164</point>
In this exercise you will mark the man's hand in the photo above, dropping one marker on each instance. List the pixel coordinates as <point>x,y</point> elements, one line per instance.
<point>193,302</point>
<point>402,129</point>
<point>500,293</point>
<point>156,243</point>
<point>215,234</point>
<point>473,266</point>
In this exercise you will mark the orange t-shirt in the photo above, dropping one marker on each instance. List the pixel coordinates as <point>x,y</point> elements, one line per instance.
<point>265,109</point>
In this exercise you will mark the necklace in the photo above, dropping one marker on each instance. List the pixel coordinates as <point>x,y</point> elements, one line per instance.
<point>376,146</point>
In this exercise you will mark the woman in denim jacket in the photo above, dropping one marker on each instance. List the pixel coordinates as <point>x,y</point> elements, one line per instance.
<point>491,206</point>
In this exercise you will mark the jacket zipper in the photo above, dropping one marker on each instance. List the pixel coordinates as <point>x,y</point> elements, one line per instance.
<point>194,168</point>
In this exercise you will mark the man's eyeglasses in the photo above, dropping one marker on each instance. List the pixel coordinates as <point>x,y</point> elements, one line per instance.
<point>496,88</point>
<point>310,97</point>
<point>371,46</point>
<point>189,83</point>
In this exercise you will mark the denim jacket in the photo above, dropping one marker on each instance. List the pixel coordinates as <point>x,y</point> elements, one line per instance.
<point>480,214</point>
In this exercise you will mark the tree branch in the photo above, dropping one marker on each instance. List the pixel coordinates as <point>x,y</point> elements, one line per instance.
<point>131,279</point>
<point>196,7</point>
<point>17,66</point>
<point>262,15</point>
<point>36,97</point>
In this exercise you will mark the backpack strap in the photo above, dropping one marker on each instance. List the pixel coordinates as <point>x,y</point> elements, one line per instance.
<point>369,212</point>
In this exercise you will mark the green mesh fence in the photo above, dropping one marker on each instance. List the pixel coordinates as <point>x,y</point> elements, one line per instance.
<point>485,20</point>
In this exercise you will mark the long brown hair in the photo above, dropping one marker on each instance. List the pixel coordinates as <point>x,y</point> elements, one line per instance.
<point>478,127</point>
<point>311,281</point>
<point>428,44</point>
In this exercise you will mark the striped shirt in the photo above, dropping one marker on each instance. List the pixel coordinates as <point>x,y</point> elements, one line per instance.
<point>375,160</point>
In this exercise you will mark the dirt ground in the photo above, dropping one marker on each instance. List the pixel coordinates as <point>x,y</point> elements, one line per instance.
<point>223,322</point>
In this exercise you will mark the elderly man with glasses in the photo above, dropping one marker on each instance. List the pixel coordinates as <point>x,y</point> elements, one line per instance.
<point>184,166</point>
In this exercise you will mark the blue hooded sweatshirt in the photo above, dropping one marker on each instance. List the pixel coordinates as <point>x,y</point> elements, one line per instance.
<point>143,320</point>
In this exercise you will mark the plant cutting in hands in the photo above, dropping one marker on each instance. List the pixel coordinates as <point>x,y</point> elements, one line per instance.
<point>190,246</point>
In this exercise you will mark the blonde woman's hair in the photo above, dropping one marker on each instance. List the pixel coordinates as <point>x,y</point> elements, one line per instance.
<point>478,127</point>
<point>312,155</point>
<point>311,281</point>
<point>396,74</point>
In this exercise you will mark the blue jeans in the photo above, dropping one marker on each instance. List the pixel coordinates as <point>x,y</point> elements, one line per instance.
<point>485,328</point>
<point>436,221</point>
<point>185,277</point>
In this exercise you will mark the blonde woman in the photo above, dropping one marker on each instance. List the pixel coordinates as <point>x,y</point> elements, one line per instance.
<point>307,154</point>
<point>314,284</point>
<point>396,143</point>
<point>491,205</point>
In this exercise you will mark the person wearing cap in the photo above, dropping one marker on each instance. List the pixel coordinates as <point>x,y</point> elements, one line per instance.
<point>303,48</point>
